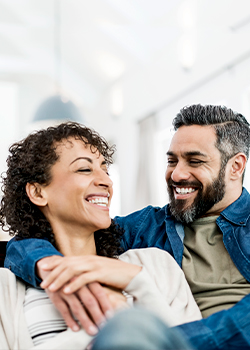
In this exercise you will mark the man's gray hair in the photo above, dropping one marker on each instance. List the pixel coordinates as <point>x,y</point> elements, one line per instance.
<point>232,129</point>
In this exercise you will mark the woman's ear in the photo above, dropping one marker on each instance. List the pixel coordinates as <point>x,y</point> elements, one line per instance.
<point>36,194</point>
<point>238,165</point>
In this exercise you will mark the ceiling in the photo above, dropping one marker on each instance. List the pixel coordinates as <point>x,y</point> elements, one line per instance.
<point>83,45</point>
<point>158,53</point>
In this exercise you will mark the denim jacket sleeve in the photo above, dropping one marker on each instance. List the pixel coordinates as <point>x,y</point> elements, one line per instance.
<point>226,329</point>
<point>144,228</point>
<point>22,256</point>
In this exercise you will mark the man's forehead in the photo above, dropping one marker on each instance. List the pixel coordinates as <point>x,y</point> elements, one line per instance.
<point>193,140</point>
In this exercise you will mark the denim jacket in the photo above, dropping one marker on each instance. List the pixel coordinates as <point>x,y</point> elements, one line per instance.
<point>155,227</point>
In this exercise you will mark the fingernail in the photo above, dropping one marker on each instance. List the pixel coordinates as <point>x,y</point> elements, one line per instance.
<point>67,290</point>
<point>102,324</point>
<point>75,328</point>
<point>52,287</point>
<point>93,330</point>
<point>109,314</point>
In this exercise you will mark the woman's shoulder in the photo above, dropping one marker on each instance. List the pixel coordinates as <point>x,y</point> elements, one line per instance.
<point>9,280</point>
<point>149,256</point>
<point>6,275</point>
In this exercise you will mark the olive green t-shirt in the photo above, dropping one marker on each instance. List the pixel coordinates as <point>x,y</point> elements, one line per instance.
<point>214,280</point>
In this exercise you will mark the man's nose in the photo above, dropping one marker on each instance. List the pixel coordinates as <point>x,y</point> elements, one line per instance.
<point>180,172</point>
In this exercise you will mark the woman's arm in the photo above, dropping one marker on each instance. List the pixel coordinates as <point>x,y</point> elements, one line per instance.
<point>161,286</point>
<point>78,271</point>
<point>24,256</point>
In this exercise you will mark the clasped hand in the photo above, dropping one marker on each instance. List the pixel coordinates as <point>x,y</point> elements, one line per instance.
<point>74,286</point>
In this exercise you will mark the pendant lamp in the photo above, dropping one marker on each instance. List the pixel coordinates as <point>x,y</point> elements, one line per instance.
<point>57,108</point>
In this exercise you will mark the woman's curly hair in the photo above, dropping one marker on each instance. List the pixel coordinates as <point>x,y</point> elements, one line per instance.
<point>30,161</point>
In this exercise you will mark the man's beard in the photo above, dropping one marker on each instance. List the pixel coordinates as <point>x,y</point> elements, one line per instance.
<point>204,200</point>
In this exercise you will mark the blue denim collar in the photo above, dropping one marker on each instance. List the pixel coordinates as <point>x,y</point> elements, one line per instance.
<point>238,212</point>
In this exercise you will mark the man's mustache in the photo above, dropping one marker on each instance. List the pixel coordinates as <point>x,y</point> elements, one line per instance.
<point>184,183</point>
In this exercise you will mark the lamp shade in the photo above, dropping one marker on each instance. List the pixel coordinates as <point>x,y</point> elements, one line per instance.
<point>56,108</point>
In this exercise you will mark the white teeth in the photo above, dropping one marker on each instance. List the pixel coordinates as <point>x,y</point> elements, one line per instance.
<point>183,190</point>
<point>102,201</point>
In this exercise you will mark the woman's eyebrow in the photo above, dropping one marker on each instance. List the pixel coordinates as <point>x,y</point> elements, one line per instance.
<point>88,160</point>
<point>85,158</point>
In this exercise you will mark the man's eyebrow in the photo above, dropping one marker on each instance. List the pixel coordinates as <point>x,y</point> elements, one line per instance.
<point>169,153</point>
<point>195,153</point>
<point>188,154</point>
<point>88,160</point>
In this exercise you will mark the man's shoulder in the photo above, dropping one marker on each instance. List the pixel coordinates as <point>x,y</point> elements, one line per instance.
<point>239,211</point>
<point>148,213</point>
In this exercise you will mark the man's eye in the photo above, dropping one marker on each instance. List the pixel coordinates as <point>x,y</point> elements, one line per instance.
<point>196,162</point>
<point>171,162</point>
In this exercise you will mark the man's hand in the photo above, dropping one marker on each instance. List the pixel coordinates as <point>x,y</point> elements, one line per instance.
<point>90,305</point>
<point>72,273</point>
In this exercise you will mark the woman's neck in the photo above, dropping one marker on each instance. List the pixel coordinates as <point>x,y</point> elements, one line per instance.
<point>74,241</point>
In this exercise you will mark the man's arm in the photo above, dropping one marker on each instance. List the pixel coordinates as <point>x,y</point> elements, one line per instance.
<point>22,256</point>
<point>226,329</point>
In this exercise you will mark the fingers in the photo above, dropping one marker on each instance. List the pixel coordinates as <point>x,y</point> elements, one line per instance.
<point>96,304</point>
<point>69,305</point>
<point>58,277</point>
<point>50,262</point>
<point>64,310</point>
<point>88,269</point>
<point>42,264</point>
<point>64,270</point>
<point>78,282</point>
<point>99,292</point>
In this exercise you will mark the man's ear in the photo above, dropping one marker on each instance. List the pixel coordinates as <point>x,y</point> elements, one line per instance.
<point>238,166</point>
<point>36,194</point>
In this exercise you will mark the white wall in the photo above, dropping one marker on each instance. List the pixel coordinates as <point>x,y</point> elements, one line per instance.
<point>158,83</point>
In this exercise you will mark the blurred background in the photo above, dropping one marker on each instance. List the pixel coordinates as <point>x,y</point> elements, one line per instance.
<point>124,68</point>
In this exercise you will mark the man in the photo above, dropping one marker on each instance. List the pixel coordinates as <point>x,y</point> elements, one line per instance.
<point>206,226</point>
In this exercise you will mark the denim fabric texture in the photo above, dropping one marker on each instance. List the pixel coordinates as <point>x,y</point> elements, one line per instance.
<point>154,227</point>
<point>138,329</point>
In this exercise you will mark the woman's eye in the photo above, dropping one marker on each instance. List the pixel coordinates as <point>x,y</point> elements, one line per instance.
<point>84,170</point>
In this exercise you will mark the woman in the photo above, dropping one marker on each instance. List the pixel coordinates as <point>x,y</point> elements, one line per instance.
<point>57,188</point>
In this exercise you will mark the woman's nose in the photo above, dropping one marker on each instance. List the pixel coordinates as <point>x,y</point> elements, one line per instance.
<point>103,179</point>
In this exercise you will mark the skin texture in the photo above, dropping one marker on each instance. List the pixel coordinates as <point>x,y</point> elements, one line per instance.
<point>79,177</point>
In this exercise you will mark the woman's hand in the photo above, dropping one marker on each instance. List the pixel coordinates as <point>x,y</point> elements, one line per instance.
<point>72,273</point>
<point>90,305</point>
<point>116,298</point>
